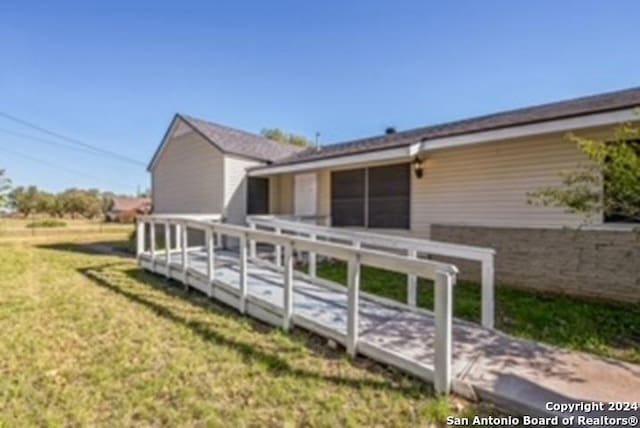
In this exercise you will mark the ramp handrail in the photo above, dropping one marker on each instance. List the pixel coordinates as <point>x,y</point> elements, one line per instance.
<point>412,247</point>
<point>443,274</point>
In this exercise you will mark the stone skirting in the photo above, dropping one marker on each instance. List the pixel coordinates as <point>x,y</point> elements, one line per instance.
<point>589,263</point>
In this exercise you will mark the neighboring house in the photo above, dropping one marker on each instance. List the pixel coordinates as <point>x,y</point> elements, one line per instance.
<point>463,181</point>
<point>125,210</point>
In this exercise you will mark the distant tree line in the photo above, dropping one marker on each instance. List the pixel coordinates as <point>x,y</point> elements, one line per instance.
<point>74,203</point>
<point>5,185</point>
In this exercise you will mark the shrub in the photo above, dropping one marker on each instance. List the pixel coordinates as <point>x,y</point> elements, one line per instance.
<point>46,223</point>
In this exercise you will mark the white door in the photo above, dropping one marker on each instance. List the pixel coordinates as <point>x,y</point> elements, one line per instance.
<point>305,191</point>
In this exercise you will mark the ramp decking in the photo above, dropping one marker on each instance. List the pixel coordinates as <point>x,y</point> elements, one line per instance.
<point>516,374</point>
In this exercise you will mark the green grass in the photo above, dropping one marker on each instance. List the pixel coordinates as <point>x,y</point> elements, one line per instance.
<point>91,340</point>
<point>611,330</point>
<point>46,223</point>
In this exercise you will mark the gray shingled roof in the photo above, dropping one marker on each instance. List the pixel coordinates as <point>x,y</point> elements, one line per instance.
<point>242,143</point>
<point>576,107</point>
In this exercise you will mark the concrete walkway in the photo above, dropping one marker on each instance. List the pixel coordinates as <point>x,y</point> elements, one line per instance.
<point>515,374</point>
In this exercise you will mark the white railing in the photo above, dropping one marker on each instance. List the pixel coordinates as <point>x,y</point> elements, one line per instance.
<point>412,247</point>
<point>442,274</point>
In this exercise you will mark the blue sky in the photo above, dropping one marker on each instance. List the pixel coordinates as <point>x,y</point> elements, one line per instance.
<point>114,75</point>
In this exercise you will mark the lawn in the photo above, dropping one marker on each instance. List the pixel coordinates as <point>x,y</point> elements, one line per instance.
<point>90,339</point>
<point>611,330</point>
<point>45,226</point>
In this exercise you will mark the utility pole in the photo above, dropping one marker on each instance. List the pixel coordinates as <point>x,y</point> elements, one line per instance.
<point>317,138</point>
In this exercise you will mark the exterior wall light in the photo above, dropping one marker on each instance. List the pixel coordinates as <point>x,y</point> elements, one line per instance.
<point>418,168</point>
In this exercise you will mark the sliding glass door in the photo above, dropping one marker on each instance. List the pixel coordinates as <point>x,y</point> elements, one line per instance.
<point>376,197</point>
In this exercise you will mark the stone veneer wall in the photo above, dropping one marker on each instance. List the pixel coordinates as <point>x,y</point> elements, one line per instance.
<point>589,263</point>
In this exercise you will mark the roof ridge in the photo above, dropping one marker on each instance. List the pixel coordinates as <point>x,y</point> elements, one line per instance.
<point>560,109</point>
<point>407,132</point>
<point>230,128</point>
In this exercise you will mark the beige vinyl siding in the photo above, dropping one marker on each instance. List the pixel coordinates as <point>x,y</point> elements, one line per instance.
<point>285,191</point>
<point>487,184</point>
<point>274,191</point>
<point>282,193</point>
<point>281,189</point>
<point>324,193</point>
<point>235,188</point>
<point>188,177</point>
<point>483,184</point>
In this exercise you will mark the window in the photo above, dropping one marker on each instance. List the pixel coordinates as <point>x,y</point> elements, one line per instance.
<point>258,195</point>
<point>388,200</point>
<point>375,197</point>
<point>347,198</point>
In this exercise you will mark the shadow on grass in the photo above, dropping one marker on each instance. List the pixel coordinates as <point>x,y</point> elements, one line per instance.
<point>112,248</point>
<point>603,328</point>
<point>103,275</point>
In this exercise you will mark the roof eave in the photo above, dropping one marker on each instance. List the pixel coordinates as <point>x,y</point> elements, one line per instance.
<point>563,124</point>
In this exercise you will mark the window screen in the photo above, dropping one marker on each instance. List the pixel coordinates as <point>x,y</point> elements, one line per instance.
<point>348,198</point>
<point>388,202</point>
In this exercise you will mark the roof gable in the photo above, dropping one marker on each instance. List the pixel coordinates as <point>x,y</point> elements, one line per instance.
<point>227,140</point>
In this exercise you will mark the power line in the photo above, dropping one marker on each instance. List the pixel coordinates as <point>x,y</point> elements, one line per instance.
<point>43,140</point>
<point>71,140</point>
<point>59,167</point>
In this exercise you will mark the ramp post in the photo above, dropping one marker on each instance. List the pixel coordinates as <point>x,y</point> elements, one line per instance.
<point>243,274</point>
<point>185,255</point>
<point>412,283</point>
<point>278,250</point>
<point>167,246</point>
<point>443,341</point>
<point>353,305</point>
<point>312,259</point>
<point>288,288</point>
<point>488,292</point>
<point>152,242</point>
<point>211,262</point>
<point>139,238</point>
<point>252,242</point>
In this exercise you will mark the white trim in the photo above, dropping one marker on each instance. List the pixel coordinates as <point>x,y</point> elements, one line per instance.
<point>171,133</point>
<point>373,156</point>
<point>168,135</point>
<point>549,126</point>
<point>560,125</point>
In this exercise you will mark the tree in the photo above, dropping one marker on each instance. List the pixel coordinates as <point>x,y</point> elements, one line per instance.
<point>45,202</point>
<point>85,203</point>
<point>5,185</point>
<point>608,184</point>
<point>107,201</point>
<point>280,136</point>
<point>25,200</point>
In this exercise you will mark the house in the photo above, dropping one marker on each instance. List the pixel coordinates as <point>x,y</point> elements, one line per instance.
<point>201,168</point>
<point>465,181</point>
<point>125,210</point>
